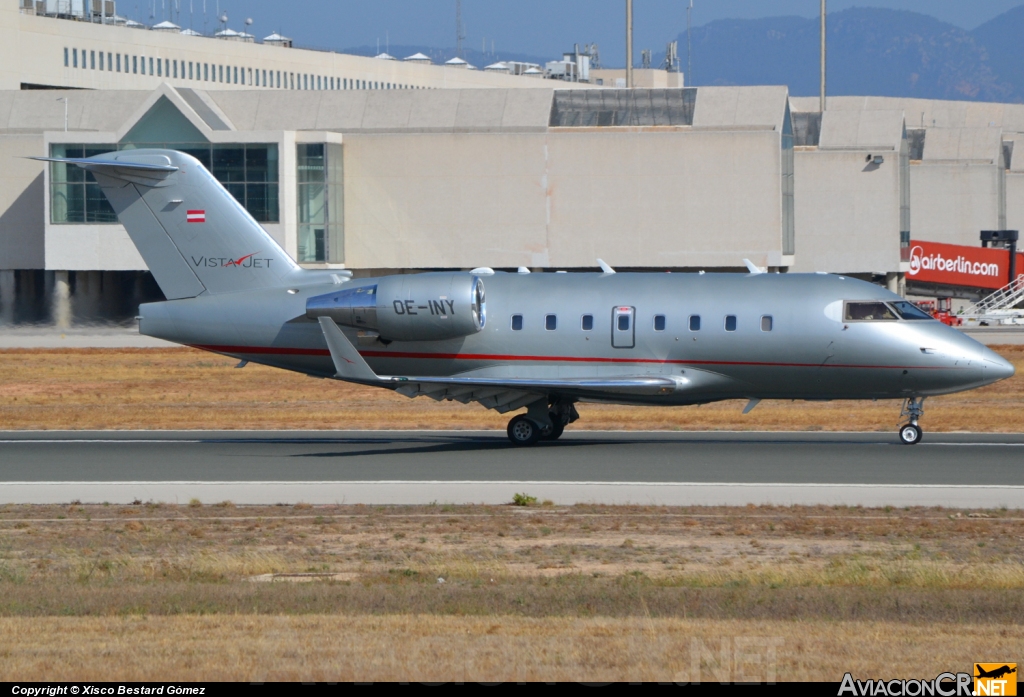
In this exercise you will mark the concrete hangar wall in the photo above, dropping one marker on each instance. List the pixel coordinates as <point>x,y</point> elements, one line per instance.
<point>444,178</point>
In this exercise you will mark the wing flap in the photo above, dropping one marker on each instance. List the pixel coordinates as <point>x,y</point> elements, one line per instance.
<point>501,394</point>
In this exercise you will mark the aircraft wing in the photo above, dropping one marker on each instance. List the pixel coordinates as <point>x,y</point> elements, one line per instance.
<point>500,394</point>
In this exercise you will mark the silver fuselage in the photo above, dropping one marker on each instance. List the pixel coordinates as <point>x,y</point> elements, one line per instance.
<point>810,352</point>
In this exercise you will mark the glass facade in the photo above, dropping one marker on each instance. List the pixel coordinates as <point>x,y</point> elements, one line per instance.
<point>75,197</point>
<point>321,212</point>
<point>248,171</point>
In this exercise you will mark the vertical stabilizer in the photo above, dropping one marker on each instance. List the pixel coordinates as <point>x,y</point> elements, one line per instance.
<point>194,236</point>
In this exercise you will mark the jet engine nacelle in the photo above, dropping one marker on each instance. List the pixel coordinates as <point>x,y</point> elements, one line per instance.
<point>415,307</point>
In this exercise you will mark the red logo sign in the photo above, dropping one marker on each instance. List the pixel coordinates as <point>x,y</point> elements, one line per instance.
<point>195,216</point>
<point>957,265</point>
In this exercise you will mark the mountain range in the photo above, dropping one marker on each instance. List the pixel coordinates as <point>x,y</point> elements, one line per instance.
<point>871,51</point>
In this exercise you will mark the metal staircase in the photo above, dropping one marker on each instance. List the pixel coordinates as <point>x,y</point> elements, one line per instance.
<point>999,305</point>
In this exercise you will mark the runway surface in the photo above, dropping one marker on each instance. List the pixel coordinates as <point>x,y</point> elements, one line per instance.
<point>962,470</point>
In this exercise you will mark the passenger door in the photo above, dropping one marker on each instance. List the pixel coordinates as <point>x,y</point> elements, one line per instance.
<point>623,327</point>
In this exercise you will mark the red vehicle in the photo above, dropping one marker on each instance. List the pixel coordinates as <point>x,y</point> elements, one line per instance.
<point>942,310</point>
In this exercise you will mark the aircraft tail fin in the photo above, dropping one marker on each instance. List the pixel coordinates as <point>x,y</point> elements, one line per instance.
<point>194,236</point>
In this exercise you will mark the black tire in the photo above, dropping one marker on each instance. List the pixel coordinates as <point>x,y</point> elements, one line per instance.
<point>910,434</point>
<point>522,431</point>
<point>557,427</point>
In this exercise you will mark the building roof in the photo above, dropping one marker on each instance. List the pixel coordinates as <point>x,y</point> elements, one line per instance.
<point>485,110</point>
<point>928,113</point>
<point>385,57</point>
<point>418,57</point>
<point>977,145</point>
<point>368,111</point>
<point>166,26</point>
<point>861,130</point>
<point>741,107</point>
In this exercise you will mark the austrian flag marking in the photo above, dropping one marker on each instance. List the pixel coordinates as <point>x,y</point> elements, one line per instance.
<point>195,216</point>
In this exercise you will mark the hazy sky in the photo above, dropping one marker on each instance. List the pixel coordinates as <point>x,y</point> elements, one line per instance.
<point>539,27</point>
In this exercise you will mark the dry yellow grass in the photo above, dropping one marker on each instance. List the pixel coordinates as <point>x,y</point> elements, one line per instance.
<point>162,592</point>
<point>186,389</point>
<point>487,649</point>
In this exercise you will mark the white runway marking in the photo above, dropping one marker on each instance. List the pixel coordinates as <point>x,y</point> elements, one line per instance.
<point>500,492</point>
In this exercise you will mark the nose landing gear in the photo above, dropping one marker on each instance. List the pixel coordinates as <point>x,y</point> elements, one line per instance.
<point>910,432</point>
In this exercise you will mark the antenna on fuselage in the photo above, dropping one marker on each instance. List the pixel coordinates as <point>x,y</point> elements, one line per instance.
<point>604,266</point>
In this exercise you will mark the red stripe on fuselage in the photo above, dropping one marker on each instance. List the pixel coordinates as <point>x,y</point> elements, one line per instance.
<point>508,358</point>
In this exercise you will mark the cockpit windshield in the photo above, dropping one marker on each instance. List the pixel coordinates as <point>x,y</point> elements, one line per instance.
<point>909,310</point>
<point>860,311</point>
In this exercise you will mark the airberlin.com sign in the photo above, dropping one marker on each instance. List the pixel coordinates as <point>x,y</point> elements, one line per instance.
<point>956,265</point>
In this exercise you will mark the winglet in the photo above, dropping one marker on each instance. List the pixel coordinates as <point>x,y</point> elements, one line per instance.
<point>604,266</point>
<point>347,361</point>
<point>754,270</point>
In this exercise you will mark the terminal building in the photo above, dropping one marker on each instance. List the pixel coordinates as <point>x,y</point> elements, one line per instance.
<point>379,165</point>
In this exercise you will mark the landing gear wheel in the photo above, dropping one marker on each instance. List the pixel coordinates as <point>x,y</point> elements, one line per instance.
<point>522,431</point>
<point>557,427</point>
<point>910,434</point>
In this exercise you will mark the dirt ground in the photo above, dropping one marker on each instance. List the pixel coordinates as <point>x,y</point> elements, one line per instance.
<point>186,388</point>
<point>142,592</point>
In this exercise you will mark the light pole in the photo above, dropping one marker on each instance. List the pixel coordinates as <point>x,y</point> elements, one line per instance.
<point>65,100</point>
<point>629,43</point>
<point>823,56</point>
<point>689,46</point>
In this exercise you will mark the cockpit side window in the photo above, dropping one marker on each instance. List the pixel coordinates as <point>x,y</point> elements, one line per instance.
<point>909,310</point>
<point>872,311</point>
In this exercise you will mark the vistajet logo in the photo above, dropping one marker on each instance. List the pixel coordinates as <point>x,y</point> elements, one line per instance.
<point>249,261</point>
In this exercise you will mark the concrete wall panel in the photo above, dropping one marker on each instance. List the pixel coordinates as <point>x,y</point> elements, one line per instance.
<point>1015,201</point>
<point>847,212</point>
<point>562,199</point>
<point>952,203</point>
<point>22,196</point>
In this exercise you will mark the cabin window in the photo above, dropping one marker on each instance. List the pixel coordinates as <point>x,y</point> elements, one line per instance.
<point>587,323</point>
<point>659,323</point>
<point>517,322</point>
<point>908,310</point>
<point>730,323</point>
<point>766,323</point>
<point>868,311</point>
<point>623,322</point>
<point>550,322</point>
<point>694,323</point>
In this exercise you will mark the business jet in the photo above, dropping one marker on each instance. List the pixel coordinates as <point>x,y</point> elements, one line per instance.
<point>543,342</point>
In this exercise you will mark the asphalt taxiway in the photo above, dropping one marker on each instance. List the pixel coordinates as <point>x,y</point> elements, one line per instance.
<point>379,467</point>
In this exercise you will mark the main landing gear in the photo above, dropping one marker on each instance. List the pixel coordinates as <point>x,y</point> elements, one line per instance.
<point>910,432</point>
<point>541,422</point>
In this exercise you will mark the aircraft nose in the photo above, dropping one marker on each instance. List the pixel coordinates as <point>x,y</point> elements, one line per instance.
<point>997,367</point>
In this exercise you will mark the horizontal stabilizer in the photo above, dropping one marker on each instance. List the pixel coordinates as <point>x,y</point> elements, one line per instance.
<point>149,171</point>
<point>91,164</point>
